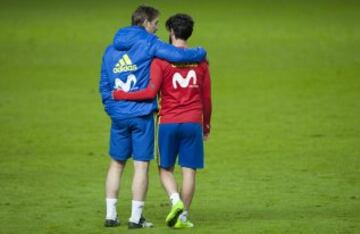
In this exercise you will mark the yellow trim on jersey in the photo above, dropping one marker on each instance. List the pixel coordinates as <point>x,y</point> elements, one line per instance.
<point>184,65</point>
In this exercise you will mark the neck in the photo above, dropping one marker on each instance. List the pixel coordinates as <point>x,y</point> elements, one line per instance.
<point>179,43</point>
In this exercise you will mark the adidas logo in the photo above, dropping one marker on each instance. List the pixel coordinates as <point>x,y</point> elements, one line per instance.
<point>124,64</point>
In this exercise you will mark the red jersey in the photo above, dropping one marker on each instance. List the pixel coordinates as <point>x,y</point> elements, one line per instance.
<point>184,92</point>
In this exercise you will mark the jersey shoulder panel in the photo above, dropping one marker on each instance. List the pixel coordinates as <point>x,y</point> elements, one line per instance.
<point>161,63</point>
<point>204,63</point>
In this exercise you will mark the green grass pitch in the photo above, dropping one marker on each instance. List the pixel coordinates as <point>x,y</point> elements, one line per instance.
<point>284,152</point>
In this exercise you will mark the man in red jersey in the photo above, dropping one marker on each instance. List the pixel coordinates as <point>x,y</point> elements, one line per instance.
<point>184,116</point>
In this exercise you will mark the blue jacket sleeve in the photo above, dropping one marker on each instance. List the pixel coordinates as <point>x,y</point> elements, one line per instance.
<point>104,86</point>
<point>173,54</point>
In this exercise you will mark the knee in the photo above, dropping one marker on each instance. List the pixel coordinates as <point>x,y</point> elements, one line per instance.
<point>141,166</point>
<point>166,170</point>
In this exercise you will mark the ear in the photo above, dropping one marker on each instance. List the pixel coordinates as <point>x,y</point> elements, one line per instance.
<point>172,32</point>
<point>146,23</point>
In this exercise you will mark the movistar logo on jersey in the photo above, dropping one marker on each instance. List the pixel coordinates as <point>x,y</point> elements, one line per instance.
<point>125,86</point>
<point>124,64</point>
<point>184,82</point>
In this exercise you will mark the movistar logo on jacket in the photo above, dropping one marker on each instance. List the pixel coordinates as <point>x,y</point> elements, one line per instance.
<point>124,64</point>
<point>125,86</point>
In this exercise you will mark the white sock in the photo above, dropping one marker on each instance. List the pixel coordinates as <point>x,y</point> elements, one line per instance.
<point>136,211</point>
<point>175,197</point>
<point>111,208</point>
<point>183,216</point>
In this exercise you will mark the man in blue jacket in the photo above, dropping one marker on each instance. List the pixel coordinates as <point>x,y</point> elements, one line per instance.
<point>126,65</point>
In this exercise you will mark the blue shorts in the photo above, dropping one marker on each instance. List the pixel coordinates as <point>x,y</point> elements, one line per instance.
<point>132,137</point>
<point>183,139</point>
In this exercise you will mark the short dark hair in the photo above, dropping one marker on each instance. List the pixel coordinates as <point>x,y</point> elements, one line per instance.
<point>143,13</point>
<point>181,24</point>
